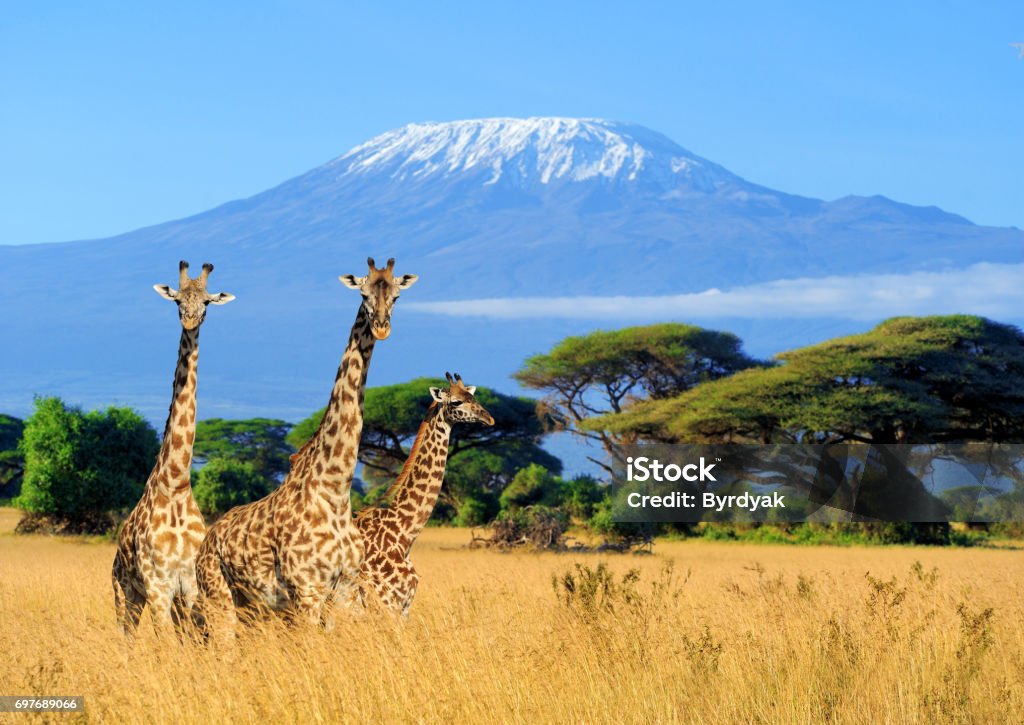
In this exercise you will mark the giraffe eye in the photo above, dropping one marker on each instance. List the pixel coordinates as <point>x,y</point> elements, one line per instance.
<point>456,403</point>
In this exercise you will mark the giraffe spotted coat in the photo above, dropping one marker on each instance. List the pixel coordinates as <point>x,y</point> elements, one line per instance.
<point>156,548</point>
<point>291,549</point>
<point>389,532</point>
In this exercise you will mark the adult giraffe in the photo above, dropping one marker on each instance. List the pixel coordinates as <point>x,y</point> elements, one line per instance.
<point>156,549</point>
<point>291,549</point>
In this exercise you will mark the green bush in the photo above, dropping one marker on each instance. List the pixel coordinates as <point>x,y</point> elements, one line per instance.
<point>12,462</point>
<point>259,441</point>
<point>580,495</point>
<point>81,466</point>
<point>472,512</point>
<point>531,485</point>
<point>224,483</point>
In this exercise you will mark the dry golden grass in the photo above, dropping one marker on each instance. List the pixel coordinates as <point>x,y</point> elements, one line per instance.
<point>742,634</point>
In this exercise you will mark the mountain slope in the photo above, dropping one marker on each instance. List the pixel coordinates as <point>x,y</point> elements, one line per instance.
<point>486,208</point>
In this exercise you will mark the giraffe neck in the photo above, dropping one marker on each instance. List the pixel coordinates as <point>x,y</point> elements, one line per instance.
<point>415,491</point>
<point>331,453</point>
<point>174,462</point>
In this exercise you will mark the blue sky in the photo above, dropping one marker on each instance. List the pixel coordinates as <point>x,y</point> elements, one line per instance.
<point>126,116</point>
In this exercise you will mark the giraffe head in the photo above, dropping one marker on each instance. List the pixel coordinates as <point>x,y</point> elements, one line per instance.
<point>380,288</point>
<point>191,295</point>
<point>458,404</point>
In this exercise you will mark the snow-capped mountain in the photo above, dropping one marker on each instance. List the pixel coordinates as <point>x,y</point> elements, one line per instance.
<point>531,151</point>
<point>508,208</point>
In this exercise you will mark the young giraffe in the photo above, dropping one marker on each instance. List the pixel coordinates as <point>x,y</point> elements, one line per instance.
<point>389,533</point>
<point>289,550</point>
<point>156,548</point>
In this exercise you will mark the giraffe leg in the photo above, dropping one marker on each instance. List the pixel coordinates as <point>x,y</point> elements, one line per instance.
<point>216,610</point>
<point>184,610</point>
<point>405,588</point>
<point>309,604</point>
<point>160,599</point>
<point>349,595</point>
<point>127,601</point>
<point>327,615</point>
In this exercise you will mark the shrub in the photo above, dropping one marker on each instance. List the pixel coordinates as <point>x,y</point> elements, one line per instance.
<point>81,466</point>
<point>224,483</point>
<point>580,495</point>
<point>539,527</point>
<point>472,512</point>
<point>532,485</point>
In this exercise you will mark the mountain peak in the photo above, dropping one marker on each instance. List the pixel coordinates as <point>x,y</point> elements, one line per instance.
<point>532,150</point>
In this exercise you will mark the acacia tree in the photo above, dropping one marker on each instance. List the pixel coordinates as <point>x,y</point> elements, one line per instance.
<point>909,380</point>
<point>482,460</point>
<point>916,380</point>
<point>608,372</point>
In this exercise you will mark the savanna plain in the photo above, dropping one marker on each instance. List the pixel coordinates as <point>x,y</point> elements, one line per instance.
<point>696,632</point>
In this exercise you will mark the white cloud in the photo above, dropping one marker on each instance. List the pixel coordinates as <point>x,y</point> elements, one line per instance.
<point>993,290</point>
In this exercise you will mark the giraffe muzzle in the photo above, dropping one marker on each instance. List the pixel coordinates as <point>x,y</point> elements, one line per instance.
<point>381,330</point>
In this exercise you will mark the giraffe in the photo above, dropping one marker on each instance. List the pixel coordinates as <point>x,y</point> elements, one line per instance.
<point>156,548</point>
<point>389,533</point>
<point>289,550</point>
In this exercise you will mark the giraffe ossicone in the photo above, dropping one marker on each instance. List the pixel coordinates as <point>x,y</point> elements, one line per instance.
<point>154,563</point>
<point>293,549</point>
<point>390,531</point>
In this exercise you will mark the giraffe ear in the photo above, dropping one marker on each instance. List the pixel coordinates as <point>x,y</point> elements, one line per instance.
<point>221,298</point>
<point>471,389</point>
<point>351,281</point>
<point>168,293</point>
<point>407,281</point>
<point>437,394</point>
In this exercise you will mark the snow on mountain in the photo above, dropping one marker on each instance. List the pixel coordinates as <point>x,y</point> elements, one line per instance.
<point>540,150</point>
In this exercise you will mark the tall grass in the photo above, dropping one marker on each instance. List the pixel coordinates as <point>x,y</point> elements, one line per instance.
<point>699,632</point>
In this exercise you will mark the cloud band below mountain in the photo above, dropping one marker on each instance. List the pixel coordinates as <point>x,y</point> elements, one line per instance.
<point>992,290</point>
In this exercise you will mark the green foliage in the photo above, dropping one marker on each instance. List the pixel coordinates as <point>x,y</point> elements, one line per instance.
<point>79,466</point>
<point>535,485</point>
<point>601,520</point>
<point>928,379</point>
<point>607,371</point>
<point>532,485</point>
<point>660,360</point>
<point>473,512</point>
<point>579,496</point>
<point>224,483</point>
<point>11,429</point>
<point>12,462</point>
<point>481,474</point>
<point>962,501</point>
<point>257,441</point>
